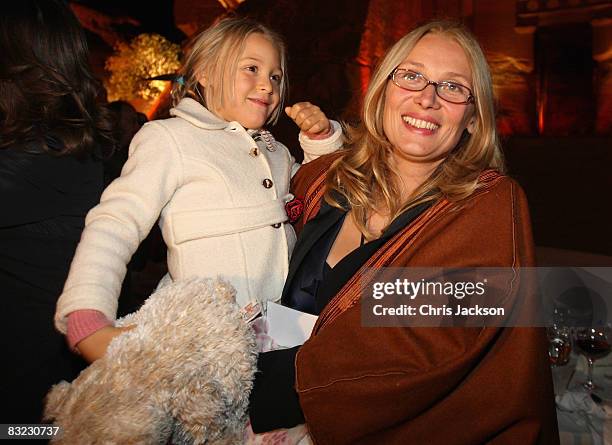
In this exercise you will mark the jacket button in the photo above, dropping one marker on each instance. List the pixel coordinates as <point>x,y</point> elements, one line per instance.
<point>267,183</point>
<point>276,226</point>
<point>254,152</point>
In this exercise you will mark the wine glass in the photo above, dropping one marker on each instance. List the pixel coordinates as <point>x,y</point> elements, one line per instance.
<point>559,345</point>
<point>559,338</point>
<point>593,343</point>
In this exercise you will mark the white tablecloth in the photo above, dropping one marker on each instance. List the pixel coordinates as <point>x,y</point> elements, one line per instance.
<point>581,420</point>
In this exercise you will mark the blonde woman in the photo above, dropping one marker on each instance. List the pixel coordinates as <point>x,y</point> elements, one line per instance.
<point>421,184</point>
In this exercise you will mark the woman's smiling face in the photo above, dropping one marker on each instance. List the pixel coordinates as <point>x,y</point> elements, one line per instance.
<point>422,127</point>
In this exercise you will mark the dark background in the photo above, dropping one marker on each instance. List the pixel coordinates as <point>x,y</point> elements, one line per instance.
<point>551,62</point>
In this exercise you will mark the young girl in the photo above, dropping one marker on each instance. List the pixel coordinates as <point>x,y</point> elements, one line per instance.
<point>215,179</point>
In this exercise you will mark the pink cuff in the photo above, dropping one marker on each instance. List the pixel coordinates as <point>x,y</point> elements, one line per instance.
<point>83,323</point>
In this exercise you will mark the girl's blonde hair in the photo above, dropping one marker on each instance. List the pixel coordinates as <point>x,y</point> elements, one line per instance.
<point>364,175</point>
<point>213,54</point>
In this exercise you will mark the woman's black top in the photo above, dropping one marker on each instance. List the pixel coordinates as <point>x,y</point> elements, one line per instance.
<point>274,402</point>
<point>44,203</point>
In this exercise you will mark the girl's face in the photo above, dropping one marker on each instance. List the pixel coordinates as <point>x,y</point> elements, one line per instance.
<point>256,84</point>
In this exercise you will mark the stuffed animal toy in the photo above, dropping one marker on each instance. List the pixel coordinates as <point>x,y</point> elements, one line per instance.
<point>183,374</point>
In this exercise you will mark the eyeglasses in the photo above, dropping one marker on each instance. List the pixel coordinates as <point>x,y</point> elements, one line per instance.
<point>452,92</point>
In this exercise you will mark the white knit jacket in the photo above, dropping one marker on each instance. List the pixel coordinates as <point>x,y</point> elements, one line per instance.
<point>219,204</point>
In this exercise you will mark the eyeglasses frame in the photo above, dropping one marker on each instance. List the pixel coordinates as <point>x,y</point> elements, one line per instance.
<point>469,100</point>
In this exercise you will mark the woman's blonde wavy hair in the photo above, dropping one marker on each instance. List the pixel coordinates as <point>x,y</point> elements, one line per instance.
<point>364,177</point>
<point>213,54</point>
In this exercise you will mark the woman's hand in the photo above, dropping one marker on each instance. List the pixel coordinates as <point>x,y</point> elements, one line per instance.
<point>94,346</point>
<point>311,120</point>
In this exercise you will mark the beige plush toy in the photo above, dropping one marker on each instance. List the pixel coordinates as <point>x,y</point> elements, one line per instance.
<point>183,374</point>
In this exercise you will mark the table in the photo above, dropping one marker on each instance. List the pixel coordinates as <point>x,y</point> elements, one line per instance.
<point>581,427</point>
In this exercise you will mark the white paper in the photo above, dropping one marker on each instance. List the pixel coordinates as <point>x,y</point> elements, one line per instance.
<point>287,326</point>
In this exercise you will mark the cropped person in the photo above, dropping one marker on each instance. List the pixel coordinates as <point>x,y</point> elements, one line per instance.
<point>53,136</point>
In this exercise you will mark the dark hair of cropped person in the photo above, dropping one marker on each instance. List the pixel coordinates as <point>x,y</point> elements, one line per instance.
<point>47,91</point>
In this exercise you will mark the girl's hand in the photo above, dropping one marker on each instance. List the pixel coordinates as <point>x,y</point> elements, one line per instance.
<point>311,120</point>
<point>94,346</point>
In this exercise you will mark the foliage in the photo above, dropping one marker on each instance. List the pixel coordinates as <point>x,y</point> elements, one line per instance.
<point>146,56</point>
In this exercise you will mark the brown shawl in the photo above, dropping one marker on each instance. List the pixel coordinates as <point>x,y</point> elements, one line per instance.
<point>429,385</point>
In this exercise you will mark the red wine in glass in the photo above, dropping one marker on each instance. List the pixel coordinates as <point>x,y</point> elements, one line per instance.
<point>593,343</point>
<point>559,351</point>
<point>595,349</point>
